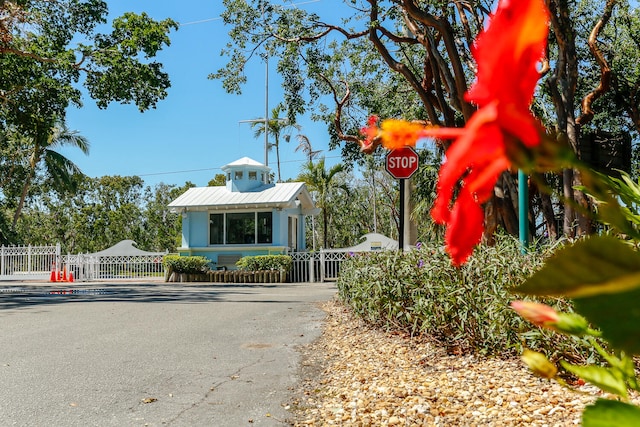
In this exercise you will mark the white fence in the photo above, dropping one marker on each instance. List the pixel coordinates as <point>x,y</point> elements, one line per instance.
<point>320,266</point>
<point>103,267</point>
<point>27,262</point>
<point>37,263</point>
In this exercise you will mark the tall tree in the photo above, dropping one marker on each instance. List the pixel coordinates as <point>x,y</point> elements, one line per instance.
<point>276,126</point>
<point>46,46</point>
<point>304,144</point>
<point>61,171</point>
<point>325,185</point>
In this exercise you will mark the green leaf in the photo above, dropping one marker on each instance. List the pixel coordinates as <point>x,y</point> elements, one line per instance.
<point>594,266</point>
<point>617,316</point>
<point>602,274</point>
<point>607,379</point>
<point>610,413</point>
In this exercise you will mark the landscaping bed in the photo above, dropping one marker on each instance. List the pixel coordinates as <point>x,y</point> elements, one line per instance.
<point>230,276</point>
<point>359,375</point>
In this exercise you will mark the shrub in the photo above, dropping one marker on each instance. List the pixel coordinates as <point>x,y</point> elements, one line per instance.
<point>466,308</point>
<point>280,263</point>
<point>186,264</point>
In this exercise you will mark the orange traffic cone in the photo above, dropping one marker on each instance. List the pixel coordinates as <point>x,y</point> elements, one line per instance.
<point>64,273</point>
<point>54,276</point>
<point>70,276</point>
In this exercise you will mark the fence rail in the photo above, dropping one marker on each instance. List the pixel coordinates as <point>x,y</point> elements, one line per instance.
<point>37,262</point>
<point>320,266</point>
<point>28,260</point>
<point>93,267</point>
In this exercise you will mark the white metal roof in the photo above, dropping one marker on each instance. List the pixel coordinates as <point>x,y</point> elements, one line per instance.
<point>245,161</point>
<point>282,195</point>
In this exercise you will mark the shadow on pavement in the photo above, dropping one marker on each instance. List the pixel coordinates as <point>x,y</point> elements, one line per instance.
<point>22,295</point>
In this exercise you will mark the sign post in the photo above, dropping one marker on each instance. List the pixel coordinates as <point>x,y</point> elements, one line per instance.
<point>402,163</point>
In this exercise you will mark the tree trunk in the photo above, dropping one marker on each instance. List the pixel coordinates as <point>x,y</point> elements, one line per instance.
<point>567,193</point>
<point>25,190</point>
<point>325,227</point>
<point>507,203</point>
<point>546,207</point>
<point>490,221</point>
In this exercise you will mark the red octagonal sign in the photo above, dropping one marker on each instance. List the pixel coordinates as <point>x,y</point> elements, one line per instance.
<point>402,162</point>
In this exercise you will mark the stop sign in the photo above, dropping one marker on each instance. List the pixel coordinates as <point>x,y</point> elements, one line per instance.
<point>402,162</point>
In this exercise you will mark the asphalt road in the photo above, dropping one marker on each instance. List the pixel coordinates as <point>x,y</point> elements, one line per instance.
<point>153,354</point>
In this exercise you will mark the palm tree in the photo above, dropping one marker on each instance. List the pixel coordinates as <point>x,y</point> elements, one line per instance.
<point>275,126</point>
<point>324,183</point>
<point>60,170</point>
<point>305,145</point>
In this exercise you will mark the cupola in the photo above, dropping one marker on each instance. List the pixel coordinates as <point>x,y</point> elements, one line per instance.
<point>245,174</point>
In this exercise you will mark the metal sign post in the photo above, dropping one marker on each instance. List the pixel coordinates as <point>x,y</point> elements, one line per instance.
<point>401,164</point>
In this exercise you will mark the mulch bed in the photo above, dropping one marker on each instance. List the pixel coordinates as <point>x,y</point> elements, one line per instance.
<point>357,375</point>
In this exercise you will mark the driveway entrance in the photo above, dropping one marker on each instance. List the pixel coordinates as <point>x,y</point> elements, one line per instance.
<point>151,354</point>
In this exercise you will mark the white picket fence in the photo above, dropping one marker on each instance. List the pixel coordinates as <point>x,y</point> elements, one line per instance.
<point>37,263</point>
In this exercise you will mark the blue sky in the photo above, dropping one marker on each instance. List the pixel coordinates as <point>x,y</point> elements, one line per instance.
<point>196,129</point>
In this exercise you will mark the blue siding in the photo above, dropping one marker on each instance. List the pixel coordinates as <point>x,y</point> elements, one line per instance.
<point>278,229</point>
<point>199,229</point>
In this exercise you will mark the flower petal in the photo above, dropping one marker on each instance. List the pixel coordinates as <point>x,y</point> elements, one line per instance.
<point>511,46</point>
<point>465,228</point>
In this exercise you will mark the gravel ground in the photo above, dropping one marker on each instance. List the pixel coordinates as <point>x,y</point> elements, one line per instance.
<point>355,375</point>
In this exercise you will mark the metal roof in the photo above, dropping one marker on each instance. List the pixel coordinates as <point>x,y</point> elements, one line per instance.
<point>281,195</point>
<point>245,161</point>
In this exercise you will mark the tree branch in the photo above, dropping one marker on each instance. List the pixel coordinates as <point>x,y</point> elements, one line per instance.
<point>605,70</point>
<point>445,30</point>
<point>340,103</point>
<point>10,50</point>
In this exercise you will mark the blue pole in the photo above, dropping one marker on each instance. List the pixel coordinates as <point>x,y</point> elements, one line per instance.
<point>523,210</point>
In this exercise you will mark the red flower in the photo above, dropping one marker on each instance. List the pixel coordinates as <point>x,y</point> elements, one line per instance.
<point>370,132</point>
<point>507,54</point>
<point>474,160</point>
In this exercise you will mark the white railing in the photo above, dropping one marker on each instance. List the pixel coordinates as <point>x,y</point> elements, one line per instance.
<point>37,263</point>
<point>320,266</point>
<point>28,261</point>
<point>103,267</point>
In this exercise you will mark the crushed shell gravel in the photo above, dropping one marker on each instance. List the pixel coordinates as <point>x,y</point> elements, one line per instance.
<point>356,375</point>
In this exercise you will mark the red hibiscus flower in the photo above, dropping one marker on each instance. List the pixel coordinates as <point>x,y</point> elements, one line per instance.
<point>507,54</point>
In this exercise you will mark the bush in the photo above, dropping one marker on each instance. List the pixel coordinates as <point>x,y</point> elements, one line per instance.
<point>280,263</point>
<point>467,308</point>
<point>186,264</point>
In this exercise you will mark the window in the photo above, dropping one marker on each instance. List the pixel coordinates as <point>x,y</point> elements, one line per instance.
<point>243,228</point>
<point>253,175</point>
<point>228,176</point>
<point>216,229</point>
<point>265,227</point>
<point>238,175</point>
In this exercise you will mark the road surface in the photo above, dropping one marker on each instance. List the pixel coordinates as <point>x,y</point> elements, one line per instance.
<point>153,354</point>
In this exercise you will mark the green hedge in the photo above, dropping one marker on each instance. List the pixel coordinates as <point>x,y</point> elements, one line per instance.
<point>186,264</point>
<point>265,262</point>
<point>466,309</point>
